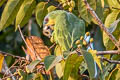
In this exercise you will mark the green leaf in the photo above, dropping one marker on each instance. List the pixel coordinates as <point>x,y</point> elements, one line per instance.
<point>62,1</point>
<point>60,68</point>
<point>111,18</point>
<point>24,76</point>
<point>108,67</point>
<point>90,63</point>
<point>113,26</point>
<point>115,74</point>
<point>72,65</point>
<point>51,8</point>
<point>9,13</point>
<point>31,66</point>
<point>109,24</point>
<point>41,11</point>
<point>39,76</point>
<point>51,61</point>
<point>114,4</point>
<point>96,58</point>
<point>83,10</point>
<point>98,40</point>
<point>75,71</point>
<point>35,29</point>
<point>2,2</point>
<point>58,50</point>
<point>25,12</point>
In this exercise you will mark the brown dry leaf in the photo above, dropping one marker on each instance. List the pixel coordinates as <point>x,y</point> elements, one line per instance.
<point>38,49</point>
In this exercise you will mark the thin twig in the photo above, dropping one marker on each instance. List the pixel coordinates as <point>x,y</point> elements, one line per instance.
<point>26,42</point>
<point>52,46</point>
<point>29,27</point>
<point>5,78</point>
<point>116,8</point>
<point>110,61</point>
<point>6,70</point>
<point>101,25</point>
<point>10,67</point>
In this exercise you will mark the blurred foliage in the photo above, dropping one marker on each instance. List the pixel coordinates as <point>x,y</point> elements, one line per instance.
<point>29,14</point>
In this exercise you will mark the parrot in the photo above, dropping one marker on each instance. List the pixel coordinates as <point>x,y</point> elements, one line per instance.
<point>64,28</point>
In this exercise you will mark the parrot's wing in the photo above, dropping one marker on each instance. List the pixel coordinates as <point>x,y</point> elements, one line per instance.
<point>61,32</point>
<point>77,27</point>
<point>67,29</point>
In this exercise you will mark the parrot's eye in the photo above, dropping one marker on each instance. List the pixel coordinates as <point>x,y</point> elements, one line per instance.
<point>46,19</point>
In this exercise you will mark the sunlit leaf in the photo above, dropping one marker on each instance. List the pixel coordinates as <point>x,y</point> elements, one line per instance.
<point>39,76</point>
<point>109,24</point>
<point>83,10</point>
<point>58,50</point>
<point>9,13</point>
<point>75,74</point>
<point>51,8</point>
<point>31,66</point>
<point>41,11</point>
<point>72,63</point>
<point>1,61</point>
<point>111,18</point>
<point>96,58</point>
<point>114,4</point>
<point>113,26</point>
<point>106,69</point>
<point>61,1</point>
<point>24,76</point>
<point>60,68</point>
<point>102,1</point>
<point>51,61</point>
<point>115,74</point>
<point>25,12</point>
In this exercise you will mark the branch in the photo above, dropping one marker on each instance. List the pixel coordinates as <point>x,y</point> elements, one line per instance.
<point>8,54</point>
<point>107,52</point>
<point>103,53</point>
<point>6,70</point>
<point>101,25</point>
<point>114,52</point>
<point>110,61</point>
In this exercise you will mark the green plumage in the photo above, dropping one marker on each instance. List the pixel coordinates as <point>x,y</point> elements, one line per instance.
<point>67,29</point>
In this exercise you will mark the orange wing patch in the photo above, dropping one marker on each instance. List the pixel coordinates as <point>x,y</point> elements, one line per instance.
<point>36,49</point>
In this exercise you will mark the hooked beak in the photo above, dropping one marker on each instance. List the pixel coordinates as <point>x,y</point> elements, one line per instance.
<point>47,31</point>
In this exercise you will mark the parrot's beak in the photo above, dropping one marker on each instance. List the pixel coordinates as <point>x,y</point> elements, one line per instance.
<point>47,31</point>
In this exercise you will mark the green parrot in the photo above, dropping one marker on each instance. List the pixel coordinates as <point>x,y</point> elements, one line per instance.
<point>64,28</point>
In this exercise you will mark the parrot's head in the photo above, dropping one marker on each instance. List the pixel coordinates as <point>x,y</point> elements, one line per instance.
<point>48,25</point>
<point>49,22</point>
